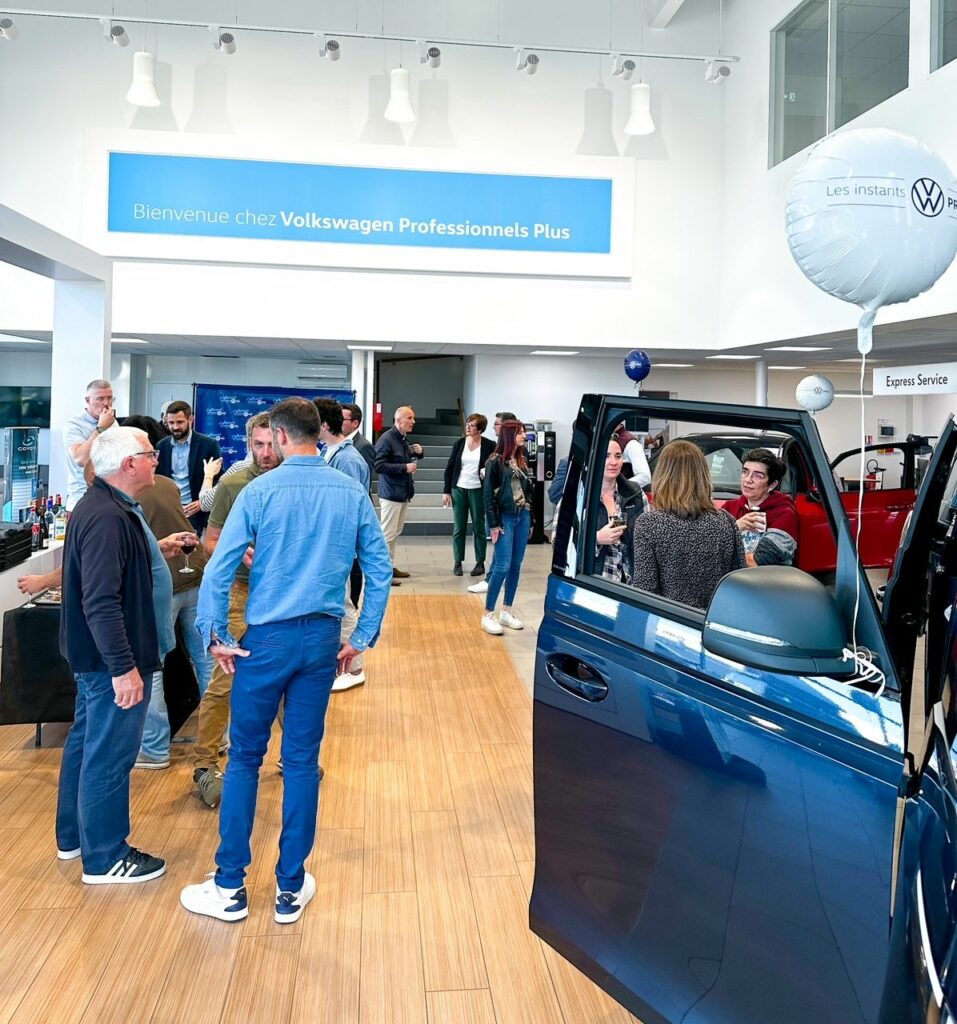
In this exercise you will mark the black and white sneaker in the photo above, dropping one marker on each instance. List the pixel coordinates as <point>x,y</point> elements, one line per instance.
<point>290,905</point>
<point>136,866</point>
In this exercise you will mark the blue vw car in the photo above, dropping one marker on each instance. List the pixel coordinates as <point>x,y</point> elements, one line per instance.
<point>735,822</point>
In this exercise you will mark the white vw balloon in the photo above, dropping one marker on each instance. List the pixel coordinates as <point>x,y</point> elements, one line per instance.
<point>872,219</point>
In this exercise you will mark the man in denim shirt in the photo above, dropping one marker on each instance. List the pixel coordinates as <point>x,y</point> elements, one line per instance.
<point>307,522</point>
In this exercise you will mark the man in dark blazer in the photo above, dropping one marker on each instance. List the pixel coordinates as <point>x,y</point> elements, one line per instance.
<point>351,424</point>
<point>395,464</point>
<point>183,456</point>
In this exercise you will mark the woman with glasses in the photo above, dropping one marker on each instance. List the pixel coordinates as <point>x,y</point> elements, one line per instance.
<point>767,519</point>
<point>684,545</point>
<point>463,491</point>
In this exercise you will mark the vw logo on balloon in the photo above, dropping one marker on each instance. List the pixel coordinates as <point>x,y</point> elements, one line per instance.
<point>927,196</point>
<point>637,365</point>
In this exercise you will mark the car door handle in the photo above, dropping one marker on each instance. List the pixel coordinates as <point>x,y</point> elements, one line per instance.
<point>576,677</point>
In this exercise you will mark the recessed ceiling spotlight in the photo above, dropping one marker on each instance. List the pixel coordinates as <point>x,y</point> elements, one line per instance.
<point>799,348</point>
<point>329,48</point>
<point>8,30</point>
<point>525,61</point>
<point>225,41</point>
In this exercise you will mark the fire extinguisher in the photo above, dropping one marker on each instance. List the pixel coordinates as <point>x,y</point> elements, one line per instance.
<point>377,417</point>
<point>870,480</point>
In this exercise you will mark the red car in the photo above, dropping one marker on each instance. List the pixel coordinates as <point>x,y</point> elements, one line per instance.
<point>890,490</point>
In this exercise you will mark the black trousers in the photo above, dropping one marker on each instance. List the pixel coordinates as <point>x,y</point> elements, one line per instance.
<point>355,582</point>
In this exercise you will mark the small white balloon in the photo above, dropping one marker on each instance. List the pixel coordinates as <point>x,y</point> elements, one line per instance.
<point>872,219</point>
<point>814,393</point>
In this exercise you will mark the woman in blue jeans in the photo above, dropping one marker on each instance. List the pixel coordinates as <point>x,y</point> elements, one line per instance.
<point>508,516</point>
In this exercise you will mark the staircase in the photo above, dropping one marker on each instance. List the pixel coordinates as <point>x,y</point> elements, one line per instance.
<point>426,517</point>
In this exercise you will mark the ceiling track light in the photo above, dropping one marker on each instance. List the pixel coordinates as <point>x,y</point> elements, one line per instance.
<point>225,41</point>
<point>622,68</point>
<point>431,55</point>
<point>114,33</point>
<point>526,61</point>
<point>8,30</point>
<point>716,71</point>
<point>329,48</point>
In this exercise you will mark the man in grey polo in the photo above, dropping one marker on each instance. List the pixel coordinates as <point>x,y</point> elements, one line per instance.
<point>80,433</point>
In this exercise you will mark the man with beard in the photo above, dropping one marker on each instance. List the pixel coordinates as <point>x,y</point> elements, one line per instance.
<point>182,457</point>
<point>214,707</point>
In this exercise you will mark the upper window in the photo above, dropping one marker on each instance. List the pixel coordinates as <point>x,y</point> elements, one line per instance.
<point>831,61</point>
<point>945,32</point>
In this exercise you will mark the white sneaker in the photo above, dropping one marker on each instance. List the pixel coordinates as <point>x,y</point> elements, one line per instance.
<point>207,898</point>
<point>478,588</point>
<point>346,680</point>
<point>508,619</point>
<point>290,905</point>
<point>69,854</point>
<point>490,624</point>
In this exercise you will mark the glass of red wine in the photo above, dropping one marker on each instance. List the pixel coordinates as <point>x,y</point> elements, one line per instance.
<point>189,545</point>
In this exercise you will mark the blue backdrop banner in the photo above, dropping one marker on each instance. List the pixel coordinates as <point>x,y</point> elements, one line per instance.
<point>221,411</point>
<point>215,197</point>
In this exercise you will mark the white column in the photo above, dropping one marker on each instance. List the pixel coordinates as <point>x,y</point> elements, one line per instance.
<point>358,379</point>
<point>761,382</point>
<point>367,409</point>
<point>82,313</point>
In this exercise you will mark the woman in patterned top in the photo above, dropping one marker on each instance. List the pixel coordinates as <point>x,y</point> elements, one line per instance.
<point>622,501</point>
<point>684,546</point>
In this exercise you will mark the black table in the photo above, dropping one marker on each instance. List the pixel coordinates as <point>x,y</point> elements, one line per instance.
<point>37,686</point>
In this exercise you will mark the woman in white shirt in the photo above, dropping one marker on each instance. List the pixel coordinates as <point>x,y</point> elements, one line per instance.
<point>463,491</point>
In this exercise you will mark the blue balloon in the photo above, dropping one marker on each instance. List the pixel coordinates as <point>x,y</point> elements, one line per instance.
<point>637,365</point>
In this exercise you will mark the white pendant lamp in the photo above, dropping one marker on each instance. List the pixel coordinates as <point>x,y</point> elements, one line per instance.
<point>142,93</point>
<point>640,121</point>
<point>399,108</point>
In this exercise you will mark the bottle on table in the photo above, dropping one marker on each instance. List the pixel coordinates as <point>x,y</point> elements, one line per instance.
<point>59,524</point>
<point>35,537</point>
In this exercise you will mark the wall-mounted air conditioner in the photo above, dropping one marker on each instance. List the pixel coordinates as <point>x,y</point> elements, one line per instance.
<point>322,371</point>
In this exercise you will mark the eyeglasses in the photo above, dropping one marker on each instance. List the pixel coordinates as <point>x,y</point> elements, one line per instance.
<point>754,474</point>
<point>152,453</point>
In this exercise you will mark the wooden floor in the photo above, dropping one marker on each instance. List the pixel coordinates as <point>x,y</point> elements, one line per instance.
<point>423,862</point>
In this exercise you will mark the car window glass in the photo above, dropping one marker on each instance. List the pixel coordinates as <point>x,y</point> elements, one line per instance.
<point>883,470</point>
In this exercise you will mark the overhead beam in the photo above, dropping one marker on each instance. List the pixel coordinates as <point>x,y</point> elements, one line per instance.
<point>667,10</point>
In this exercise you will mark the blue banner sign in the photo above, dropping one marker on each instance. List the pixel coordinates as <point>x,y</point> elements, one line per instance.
<point>222,410</point>
<point>219,198</point>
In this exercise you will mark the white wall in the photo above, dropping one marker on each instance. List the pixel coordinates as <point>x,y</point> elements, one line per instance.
<point>60,78</point>
<point>764,296</point>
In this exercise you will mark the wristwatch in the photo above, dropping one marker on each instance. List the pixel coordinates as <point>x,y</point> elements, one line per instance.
<point>99,429</point>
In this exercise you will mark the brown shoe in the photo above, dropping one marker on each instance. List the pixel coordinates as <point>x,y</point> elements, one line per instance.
<point>398,574</point>
<point>396,583</point>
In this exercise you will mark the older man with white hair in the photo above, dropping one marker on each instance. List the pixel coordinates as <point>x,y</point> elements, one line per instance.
<point>395,463</point>
<point>115,629</point>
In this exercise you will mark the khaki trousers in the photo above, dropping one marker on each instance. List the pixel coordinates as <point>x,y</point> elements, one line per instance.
<point>214,707</point>
<point>392,517</point>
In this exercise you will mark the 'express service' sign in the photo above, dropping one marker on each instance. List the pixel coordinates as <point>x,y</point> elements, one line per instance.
<point>225,198</point>
<point>924,379</point>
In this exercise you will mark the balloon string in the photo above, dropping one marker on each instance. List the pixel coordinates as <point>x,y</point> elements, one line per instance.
<point>864,331</point>
<point>860,493</point>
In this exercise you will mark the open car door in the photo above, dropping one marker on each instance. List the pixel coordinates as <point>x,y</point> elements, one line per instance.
<point>922,968</point>
<point>713,841</point>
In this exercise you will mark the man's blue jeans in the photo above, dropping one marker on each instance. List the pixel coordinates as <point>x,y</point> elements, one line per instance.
<point>93,803</point>
<point>156,732</point>
<point>293,661</point>
<point>508,552</point>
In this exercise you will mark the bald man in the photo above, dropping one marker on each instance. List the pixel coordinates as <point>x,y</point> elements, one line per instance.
<point>395,464</point>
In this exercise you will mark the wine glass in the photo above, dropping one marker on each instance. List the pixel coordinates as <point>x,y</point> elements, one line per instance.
<point>188,546</point>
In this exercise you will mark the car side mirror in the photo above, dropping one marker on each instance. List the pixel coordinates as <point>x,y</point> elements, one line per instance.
<point>777,618</point>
